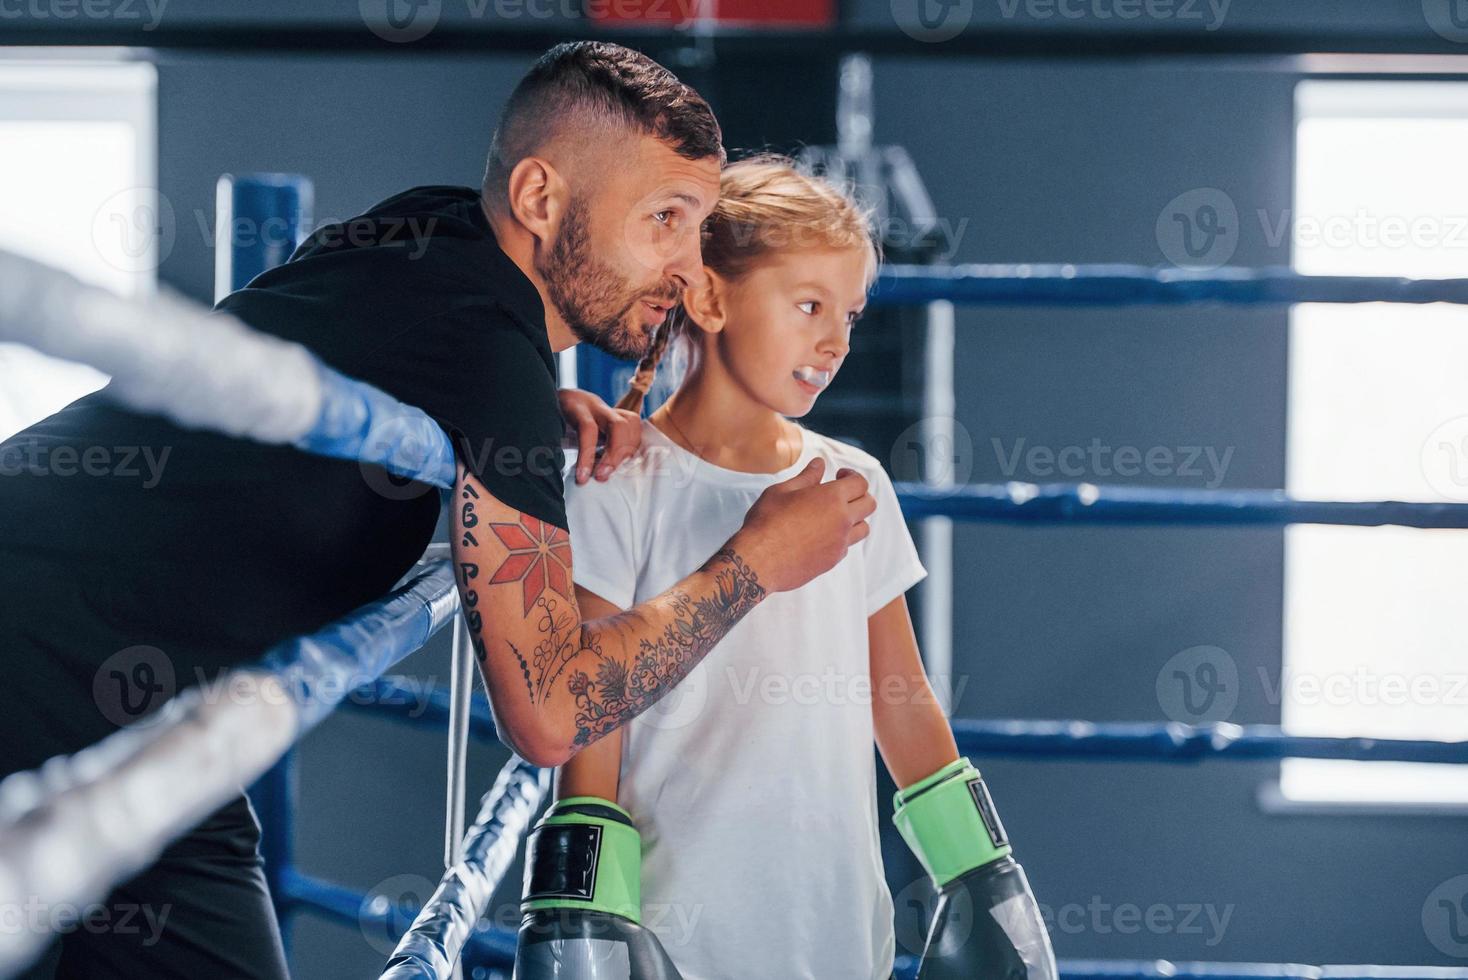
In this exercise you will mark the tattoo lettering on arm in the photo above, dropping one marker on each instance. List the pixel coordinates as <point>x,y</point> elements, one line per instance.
<point>538,559</point>
<point>621,690</point>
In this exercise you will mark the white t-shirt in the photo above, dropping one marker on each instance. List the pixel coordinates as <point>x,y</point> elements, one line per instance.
<point>753,782</point>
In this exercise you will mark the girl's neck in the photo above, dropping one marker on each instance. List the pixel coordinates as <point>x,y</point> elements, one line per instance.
<point>724,426</point>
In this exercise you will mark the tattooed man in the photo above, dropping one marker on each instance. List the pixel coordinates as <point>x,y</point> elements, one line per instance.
<point>115,593</point>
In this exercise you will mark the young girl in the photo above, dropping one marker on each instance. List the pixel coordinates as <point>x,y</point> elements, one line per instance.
<point>752,784</point>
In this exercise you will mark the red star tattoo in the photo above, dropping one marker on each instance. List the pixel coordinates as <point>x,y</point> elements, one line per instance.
<point>540,558</point>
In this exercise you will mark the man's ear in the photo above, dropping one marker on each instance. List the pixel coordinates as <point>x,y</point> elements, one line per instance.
<point>537,196</point>
<point>705,301</point>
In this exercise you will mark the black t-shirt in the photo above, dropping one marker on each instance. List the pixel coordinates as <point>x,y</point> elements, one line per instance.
<point>212,549</point>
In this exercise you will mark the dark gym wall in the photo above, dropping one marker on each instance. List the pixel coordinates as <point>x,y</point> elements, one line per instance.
<point>1042,162</point>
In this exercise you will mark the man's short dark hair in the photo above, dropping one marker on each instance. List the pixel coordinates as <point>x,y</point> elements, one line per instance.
<point>596,80</point>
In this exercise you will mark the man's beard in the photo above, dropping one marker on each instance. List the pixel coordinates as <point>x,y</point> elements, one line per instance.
<point>592,299</point>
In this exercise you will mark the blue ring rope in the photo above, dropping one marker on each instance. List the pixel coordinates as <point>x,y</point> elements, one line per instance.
<point>1136,285</point>
<point>1060,739</point>
<point>1085,503</point>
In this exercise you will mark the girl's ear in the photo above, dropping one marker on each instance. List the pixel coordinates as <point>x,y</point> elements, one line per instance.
<point>705,302</point>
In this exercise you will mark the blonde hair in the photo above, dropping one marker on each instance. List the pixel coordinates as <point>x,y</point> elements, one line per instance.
<point>766,206</point>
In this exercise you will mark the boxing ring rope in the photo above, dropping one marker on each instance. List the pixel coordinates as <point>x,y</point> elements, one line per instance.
<point>72,829</point>
<point>1086,503</point>
<point>207,370</point>
<point>1129,285</point>
<point>1163,970</point>
<point>433,944</point>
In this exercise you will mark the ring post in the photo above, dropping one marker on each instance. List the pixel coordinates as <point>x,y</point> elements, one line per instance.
<point>259,221</point>
<point>461,690</point>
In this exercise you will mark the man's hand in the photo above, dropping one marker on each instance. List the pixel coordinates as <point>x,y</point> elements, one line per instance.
<point>801,528</point>
<point>588,420</point>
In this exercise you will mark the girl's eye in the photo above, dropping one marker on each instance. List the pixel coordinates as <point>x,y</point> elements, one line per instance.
<point>808,303</point>
<point>663,217</point>
<point>851,318</point>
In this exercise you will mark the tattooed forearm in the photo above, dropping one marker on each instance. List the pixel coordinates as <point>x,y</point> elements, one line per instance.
<point>581,679</point>
<point>621,690</point>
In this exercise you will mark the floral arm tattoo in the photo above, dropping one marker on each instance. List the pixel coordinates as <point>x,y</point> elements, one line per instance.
<point>614,668</point>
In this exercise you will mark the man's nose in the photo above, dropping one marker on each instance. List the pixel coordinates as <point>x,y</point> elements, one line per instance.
<point>686,264</point>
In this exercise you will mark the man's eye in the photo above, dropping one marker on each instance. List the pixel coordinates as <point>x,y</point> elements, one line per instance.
<point>812,304</point>
<point>663,217</point>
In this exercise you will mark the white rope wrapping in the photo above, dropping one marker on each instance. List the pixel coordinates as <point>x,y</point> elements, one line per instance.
<point>166,355</point>
<point>79,824</point>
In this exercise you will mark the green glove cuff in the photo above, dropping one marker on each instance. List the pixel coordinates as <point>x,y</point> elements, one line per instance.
<point>950,822</point>
<point>585,854</point>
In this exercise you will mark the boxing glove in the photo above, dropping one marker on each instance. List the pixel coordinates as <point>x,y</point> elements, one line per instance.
<point>582,900</point>
<point>987,924</point>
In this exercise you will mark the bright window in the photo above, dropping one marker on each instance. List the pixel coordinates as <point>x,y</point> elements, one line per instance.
<point>77,190</point>
<point>1378,409</point>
